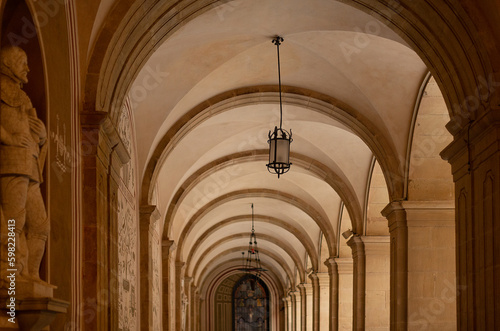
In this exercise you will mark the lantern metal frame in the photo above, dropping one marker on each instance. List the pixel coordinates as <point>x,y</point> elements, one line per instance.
<point>279,139</point>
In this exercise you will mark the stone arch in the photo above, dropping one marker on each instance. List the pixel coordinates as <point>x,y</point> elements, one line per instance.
<point>289,273</point>
<point>305,240</point>
<point>290,251</point>
<point>311,100</point>
<point>323,224</point>
<point>337,182</point>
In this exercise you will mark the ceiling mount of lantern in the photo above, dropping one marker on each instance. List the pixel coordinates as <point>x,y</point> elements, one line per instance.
<point>279,139</point>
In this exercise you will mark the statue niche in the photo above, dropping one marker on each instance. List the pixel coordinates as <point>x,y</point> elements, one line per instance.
<point>23,147</point>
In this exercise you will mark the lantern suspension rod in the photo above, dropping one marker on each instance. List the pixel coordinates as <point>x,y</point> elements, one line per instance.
<point>277,41</point>
<point>252,219</point>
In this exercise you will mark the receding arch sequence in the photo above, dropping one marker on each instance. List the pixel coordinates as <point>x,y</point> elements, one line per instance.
<point>305,240</point>
<point>261,237</point>
<point>323,224</point>
<point>338,183</point>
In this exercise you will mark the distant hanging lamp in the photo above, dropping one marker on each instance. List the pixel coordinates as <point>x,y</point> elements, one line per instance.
<point>279,139</point>
<point>252,263</point>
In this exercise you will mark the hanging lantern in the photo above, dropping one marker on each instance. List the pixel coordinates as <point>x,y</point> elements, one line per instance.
<point>279,139</point>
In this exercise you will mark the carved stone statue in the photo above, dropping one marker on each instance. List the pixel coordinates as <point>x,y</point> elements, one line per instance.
<point>22,157</point>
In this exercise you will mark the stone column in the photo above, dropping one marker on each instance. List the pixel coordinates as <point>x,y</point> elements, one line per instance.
<point>179,271</point>
<point>324,300</point>
<point>193,306</point>
<point>290,312</point>
<point>474,156</point>
<point>396,215</point>
<point>431,265</point>
<point>303,307</point>
<point>297,299</point>
<point>285,303</point>
<point>197,310</point>
<point>315,301</point>
<point>334,294</point>
<point>168,246</point>
<point>147,216</point>
<point>306,294</point>
<point>377,282</point>
<point>359,278</point>
<point>293,312</point>
<point>345,267</point>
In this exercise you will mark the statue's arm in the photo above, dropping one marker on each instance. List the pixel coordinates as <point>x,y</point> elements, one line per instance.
<point>37,126</point>
<point>6,138</point>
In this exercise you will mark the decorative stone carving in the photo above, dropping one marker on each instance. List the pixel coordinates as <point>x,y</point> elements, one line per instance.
<point>127,264</point>
<point>156,275</point>
<point>22,157</point>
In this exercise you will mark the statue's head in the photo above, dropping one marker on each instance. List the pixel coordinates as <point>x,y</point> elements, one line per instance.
<point>14,63</point>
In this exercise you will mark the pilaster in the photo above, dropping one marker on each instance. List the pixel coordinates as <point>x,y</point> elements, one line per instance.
<point>286,305</point>
<point>168,247</point>
<point>306,293</point>
<point>396,215</point>
<point>323,280</point>
<point>188,303</point>
<point>148,214</point>
<point>315,301</point>
<point>297,299</point>
<point>179,272</point>
<point>431,264</point>
<point>377,282</point>
<point>293,311</point>
<point>359,282</point>
<point>474,156</point>
<point>334,294</point>
<point>345,271</point>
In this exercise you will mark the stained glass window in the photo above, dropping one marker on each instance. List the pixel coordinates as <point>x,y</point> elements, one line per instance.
<point>250,305</point>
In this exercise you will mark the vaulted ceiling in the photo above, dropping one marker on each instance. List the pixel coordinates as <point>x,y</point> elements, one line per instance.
<point>205,101</point>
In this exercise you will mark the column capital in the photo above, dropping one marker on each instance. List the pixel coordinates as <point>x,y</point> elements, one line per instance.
<point>313,276</point>
<point>92,118</point>
<point>169,245</point>
<point>344,265</point>
<point>149,211</point>
<point>395,214</point>
<point>323,279</point>
<point>187,280</point>
<point>179,265</point>
<point>357,246</point>
<point>376,245</point>
<point>430,213</point>
<point>486,126</point>
<point>294,294</point>
<point>332,265</point>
